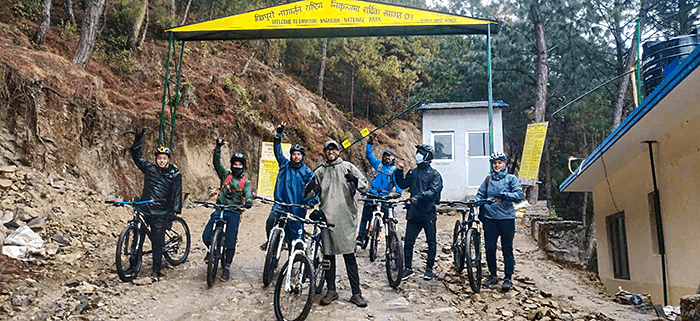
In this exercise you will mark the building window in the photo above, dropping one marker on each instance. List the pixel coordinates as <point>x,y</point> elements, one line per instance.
<point>444,145</point>
<point>653,224</point>
<point>479,144</point>
<point>618,245</point>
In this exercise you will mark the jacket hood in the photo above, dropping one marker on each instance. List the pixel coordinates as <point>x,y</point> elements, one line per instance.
<point>336,162</point>
<point>499,175</point>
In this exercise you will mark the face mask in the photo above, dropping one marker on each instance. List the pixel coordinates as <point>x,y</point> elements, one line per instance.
<point>237,171</point>
<point>419,158</point>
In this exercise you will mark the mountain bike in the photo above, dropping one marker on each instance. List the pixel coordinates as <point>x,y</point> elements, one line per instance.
<point>466,241</point>
<point>275,243</point>
<point>217,247</point>
<point>130,251</point>
<point>304,271</point>
<point>394,245</point>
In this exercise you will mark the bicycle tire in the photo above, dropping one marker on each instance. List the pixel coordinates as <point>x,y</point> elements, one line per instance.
<point>301,268</point>
<point>365,238</point>
<point>320,272</point>
<point>177,242</point>
<point>215,256</point>
<point>473,259</point>
<point>457,249</point>
<point>271,256</point>
<point>127,248</point>
<point>394,259</point>
<point>374,239</point>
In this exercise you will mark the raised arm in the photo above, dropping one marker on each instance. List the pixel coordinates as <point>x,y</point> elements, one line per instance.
<point>277,146</point>
<point>401,181</point>
<point>136,154</point>
<point>221,171</point>
<point>370,155</point>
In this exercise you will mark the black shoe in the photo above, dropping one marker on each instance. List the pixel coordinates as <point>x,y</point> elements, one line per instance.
<point>207,257</point>
<point>507,285</point>
<point>357,300</point>
<point>330,297</point>
<point>428,275</point>
<point>225,273</point>
<point>358,242</point>
<point>263,247</point>
<point>407,273</point>
<point>156,276</point>
<point>490,281</point>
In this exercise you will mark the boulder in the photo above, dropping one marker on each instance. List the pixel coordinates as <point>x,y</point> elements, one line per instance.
<point>690,307</point>
<point>8,169</point>
<point>5,183</point>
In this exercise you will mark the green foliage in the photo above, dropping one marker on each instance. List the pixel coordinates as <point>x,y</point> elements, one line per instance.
<point>68,30</point>
<point>29,9</point>
<point>114,48</point>
<point>228,84</point>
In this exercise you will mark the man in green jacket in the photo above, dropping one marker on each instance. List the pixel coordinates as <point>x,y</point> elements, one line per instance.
<point>336,182</point>
<point>235,189</point>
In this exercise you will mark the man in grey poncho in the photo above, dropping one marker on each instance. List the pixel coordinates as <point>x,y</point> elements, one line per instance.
<point>336,182</point>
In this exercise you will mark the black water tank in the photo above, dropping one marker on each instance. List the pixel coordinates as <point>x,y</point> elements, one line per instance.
<point>659,54</point>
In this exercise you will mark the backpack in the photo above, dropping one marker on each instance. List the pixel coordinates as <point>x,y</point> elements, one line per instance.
<point>240,189</point>
<point>390,174</point>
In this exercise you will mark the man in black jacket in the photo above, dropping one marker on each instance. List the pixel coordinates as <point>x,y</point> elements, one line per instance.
<point>425,185</point>
<point>162,182</point>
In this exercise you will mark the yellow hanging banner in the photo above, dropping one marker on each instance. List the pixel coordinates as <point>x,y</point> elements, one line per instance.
<point>325,16</point>
<point>532,153</point>
<point>364,132</point>
<point>346,143</point>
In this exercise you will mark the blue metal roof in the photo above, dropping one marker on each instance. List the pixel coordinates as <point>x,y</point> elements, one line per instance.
<point>686,67</point>
<point>462,105</point>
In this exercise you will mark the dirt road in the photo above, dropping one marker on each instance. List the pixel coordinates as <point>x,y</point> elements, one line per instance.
<point>542,290</point>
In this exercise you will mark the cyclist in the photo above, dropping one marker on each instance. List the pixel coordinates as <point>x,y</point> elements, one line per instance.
<point>162,182</point>
<point>292,176</point>
<point>425,184</point>
<point>335,183</point>
<point>235,189</point>
<point>499,217</point>
<point>382,185</point>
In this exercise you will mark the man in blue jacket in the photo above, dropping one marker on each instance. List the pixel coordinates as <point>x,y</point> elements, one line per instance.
<point>292,177</point>
<point>425,184</point>
<point>383,184</point>
<point>499,217</point>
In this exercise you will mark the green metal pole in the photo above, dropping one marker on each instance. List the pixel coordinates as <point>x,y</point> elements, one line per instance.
<point>639,61</point>
<point>488,55</point>
<point>173,107</point>
<point>166,83</point>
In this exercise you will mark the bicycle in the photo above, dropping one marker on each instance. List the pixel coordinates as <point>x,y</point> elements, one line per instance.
<point>293,282</point>
<point>466,241</point>
<point>129,251</point>
<point>275,243</point>
<point>394,245</point>
<point>216,248</point>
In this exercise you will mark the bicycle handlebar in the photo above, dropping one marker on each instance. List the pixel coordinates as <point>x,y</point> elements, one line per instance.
<point>218,206</point>
<point>125,203</point>
<point>379,197</point>
<point>292,217</point>
<point>268,201</point>
<point>470,203</point>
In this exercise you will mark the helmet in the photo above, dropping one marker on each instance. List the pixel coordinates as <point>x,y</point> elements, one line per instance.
<point>387,153</point>
<point>238,157</point>
<point>163,150</point>
<point>297,148</point>
<point>427,151</point>
<point>331,143</point>
<point>496,156</point>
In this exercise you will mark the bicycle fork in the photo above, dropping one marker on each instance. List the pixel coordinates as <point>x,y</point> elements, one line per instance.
<point>295,251</point>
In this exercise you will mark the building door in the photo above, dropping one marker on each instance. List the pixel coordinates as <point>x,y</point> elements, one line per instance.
<point>478,152</point>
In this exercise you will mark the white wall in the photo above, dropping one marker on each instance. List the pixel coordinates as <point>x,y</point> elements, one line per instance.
<point>459,121</point>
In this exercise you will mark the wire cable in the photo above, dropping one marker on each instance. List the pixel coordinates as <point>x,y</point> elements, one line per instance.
<point>605,169</point>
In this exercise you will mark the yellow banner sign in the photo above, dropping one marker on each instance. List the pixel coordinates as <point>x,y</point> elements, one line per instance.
<point>346,143</point>
<point>268,169</point>
<point>532,153</point>
<point>328,14</point>
<point>364,132</point>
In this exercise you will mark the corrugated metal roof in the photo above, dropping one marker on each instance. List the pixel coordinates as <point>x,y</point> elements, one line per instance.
<point>686,67</point>
<point>462,105</point>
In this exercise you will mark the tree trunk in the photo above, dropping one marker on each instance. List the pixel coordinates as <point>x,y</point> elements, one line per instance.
<point>187,12</point>
<point>542,71</point>
<point>324,51</point>
<point>173,9</point>
<point>138,23</point>
<point>623,83</point>
<point>352,93</point>
<point>40,34</point>
<point>69,10</point>
<point>145,30</point>
<point>89,31</point>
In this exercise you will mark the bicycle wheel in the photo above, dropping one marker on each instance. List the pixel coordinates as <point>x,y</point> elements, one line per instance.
<point>177,242</point>
<point>271,256</point>
<point>293,300</point>
<point>215,250</point>
<point>394,258</point>
<point>374,239</point>
<point>457,248</point>
<point>128,256</point>
<point>473,258</point>
<point>365,238</point>
<point>319,270</point>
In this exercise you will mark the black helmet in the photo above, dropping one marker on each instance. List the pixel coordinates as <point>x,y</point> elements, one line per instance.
<point>427,151</point>
<point>238,157</point>
<point>388,153</point>
<point>297,148</point>
<point>163,150</point>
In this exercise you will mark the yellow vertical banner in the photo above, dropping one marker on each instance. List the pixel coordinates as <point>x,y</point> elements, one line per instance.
<point>532,153</point>
<point>267,171</point>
